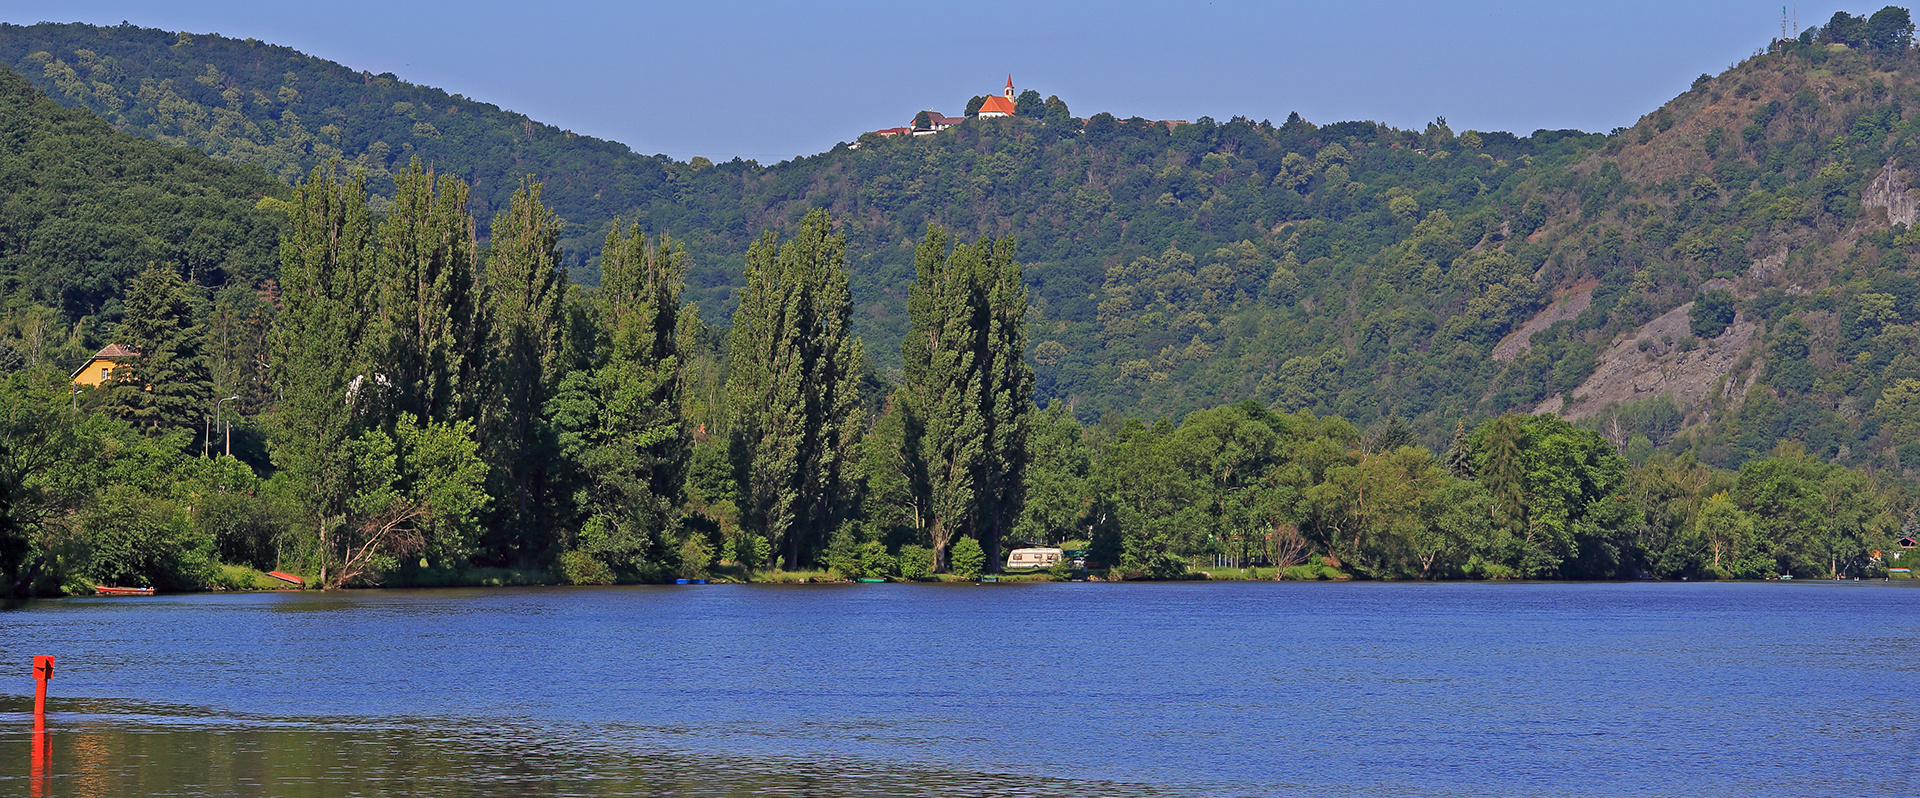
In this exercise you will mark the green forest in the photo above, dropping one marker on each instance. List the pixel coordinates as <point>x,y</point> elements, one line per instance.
<point>498,352</point>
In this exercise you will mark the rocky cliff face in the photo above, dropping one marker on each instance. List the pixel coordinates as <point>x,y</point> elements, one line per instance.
<point>1891,192</point>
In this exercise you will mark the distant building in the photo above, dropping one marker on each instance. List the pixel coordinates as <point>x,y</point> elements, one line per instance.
<point>998,106</point>
<point>927,123</point>
<point>96,370</point>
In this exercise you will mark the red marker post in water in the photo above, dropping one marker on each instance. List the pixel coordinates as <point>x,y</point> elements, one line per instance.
<point>42,671</point>
<point>42,766</point>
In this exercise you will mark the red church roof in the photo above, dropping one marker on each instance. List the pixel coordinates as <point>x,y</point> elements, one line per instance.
<point>997,104</point>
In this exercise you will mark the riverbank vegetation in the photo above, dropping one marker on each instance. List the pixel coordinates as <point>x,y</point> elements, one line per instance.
<point>432,410</point>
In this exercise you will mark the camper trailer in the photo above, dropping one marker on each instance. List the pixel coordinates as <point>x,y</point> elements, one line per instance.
<point>1033,558</point>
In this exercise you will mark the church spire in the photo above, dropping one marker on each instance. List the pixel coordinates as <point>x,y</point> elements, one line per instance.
<point>1009,85</point>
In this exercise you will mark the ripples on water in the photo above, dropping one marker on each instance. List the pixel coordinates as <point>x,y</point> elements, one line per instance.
<point>1041,690</point>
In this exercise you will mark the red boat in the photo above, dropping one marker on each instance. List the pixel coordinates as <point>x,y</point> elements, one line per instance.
<point>107,590</point>
<point>288,578</point>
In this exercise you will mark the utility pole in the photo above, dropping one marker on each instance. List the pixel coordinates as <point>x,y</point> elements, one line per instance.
<point>229,434</point>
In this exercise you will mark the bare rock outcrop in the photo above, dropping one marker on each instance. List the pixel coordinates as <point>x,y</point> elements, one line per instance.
<point>1890,190</point>
<point>1650,362</point>
<point>1568,305</point>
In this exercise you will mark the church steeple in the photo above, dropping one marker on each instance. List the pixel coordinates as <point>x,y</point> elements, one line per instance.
<point>1009,85</point>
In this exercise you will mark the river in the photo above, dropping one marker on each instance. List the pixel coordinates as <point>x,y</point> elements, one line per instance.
<point>1462,689</point>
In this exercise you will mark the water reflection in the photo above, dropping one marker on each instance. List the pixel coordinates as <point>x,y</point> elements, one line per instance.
<point>111,749</point>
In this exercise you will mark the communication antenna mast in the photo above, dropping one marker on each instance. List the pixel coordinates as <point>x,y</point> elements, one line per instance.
<point>1783,24</point>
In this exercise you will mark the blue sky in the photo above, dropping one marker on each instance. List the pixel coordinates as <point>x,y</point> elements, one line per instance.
<point>769,81</point>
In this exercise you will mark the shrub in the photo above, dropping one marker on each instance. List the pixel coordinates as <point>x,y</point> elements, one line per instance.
<point>1711,314</point>
<point>916,562</point>
<point>243,528</point>
<point>1302,573</point>
<point>696,555</point>
<point>762,552</point>
<point>968,560</point>
<point>134,540</point>
<point>580,568</point>
<point>843,555</point>
<point>875,561</point>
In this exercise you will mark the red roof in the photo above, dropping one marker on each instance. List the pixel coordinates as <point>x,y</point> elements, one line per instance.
<point>997,104</point>
<point>895,131</point>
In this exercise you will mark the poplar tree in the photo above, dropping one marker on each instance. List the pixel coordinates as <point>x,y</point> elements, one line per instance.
<point>326,282</point>
<point>621,420</point>
<point>793,390</point>
<point>167,385</point>
<point>526,303</point>
<point>425,341</point>
<point>968,391</point>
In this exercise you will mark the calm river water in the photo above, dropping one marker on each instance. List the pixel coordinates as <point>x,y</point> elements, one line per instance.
<point>1005,690</point>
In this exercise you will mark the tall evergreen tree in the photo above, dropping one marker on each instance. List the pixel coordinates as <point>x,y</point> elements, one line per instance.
<point>526,302</point>
<point>166,386</point>
<point>968,390</point>
<point>326,278</point>
<point>793,391</point>
<point>425,341</point>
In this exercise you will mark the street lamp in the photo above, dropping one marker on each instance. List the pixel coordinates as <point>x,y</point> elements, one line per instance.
<point>228,437</point>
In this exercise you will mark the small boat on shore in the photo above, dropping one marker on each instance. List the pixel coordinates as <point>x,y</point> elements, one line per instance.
<point>109,590</point>
<point>869,580</point>
<point>288,578</point>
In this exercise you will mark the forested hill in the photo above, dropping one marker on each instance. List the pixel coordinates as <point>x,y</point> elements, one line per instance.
<point>1435,275</point>
<point>247,101</point>
<point>84,208</point>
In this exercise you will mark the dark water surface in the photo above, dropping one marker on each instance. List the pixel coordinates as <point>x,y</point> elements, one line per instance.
<point>1042,690</point>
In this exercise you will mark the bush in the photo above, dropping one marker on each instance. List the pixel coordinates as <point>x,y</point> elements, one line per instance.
<point>133,540</point>
<point>968,560</point>
<point>1711,314</point>
<point>916,562</point>
<point>243,528</point>
<point>580,568</point>
<point>843,555</point>
<point>875,561</point>
<point>1302,573</point>
<point>696,555</point>
<point>762,552</point>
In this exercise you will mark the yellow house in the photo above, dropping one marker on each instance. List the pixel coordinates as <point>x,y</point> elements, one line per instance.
<point>102,364</point>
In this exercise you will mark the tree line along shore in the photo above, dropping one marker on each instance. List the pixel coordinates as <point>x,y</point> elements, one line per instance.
<point>421,410</point>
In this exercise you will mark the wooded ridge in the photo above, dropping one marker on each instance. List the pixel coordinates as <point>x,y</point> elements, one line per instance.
<point>1725,285</point>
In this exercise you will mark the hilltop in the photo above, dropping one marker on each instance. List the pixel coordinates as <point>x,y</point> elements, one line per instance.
<point>1731,271</point>
<point>84,208</point>
<point>247,101</point>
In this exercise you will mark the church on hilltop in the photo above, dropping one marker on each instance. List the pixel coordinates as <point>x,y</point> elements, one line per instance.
<point>998,106</point>
<point>929,122</point>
